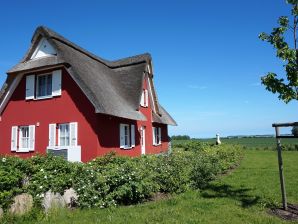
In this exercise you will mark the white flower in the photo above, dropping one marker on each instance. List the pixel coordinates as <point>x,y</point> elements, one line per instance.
<point>42,195</point>
<point>95,197</point>
<point>55,171</point>
<point>41,170</point>
<point>3,160</point>
<point>45,177</point>
<point>41,187</point>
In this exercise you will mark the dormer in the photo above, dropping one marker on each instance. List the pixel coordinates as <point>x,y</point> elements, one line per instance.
<point>43,49</point>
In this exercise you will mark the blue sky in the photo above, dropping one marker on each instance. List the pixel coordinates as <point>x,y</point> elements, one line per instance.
<point>207,57</point>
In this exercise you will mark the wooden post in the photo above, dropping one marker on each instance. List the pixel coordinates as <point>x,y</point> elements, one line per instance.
<point>280,167</point>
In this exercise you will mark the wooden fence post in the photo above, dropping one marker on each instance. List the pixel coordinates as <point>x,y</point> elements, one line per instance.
<point>280,167</point>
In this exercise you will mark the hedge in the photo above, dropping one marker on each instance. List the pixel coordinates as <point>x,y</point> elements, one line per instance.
<point>112,180</point>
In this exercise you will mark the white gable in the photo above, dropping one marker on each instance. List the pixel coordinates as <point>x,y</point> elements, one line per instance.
<point>43,49</point>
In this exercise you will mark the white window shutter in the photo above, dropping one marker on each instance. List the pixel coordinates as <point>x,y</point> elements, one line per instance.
<point>52,134</point>
<point>122,141</point>
<point>73,133</point>
<point>30,86</point>
<point>31,137</point>
<point>153,136</point>
<point>14,137</point>
<point>132,135</point>
<point>142,99</point>
<point>159,135</point>
<point>146,98</point>
<point>56,83</point>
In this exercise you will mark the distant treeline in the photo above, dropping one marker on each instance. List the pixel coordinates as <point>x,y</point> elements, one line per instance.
<point>251,136</point>
<point>180,137</point>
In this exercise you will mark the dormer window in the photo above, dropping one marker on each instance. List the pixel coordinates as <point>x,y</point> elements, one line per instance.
<point>144,98</point>
<point>43,86</point>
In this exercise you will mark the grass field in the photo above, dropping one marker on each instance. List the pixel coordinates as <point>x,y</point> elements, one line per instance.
<point>248,142</point>
<point>241,197</point>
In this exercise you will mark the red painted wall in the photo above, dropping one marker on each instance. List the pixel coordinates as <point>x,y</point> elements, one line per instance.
<point>109,133</point>
<point>71,106</point>
<point>98,134</point>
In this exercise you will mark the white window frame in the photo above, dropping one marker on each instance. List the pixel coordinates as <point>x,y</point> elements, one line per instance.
<point>127,136</point>
<point>21,138</point>
<point>60,126</point>
<point>46,86</point>
<point>17,138</point>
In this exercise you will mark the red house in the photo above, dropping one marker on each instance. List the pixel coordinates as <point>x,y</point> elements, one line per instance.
<point>63,99</point>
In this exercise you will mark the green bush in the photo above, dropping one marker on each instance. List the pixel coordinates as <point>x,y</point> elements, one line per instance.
<point>112,180</point>
<point>11,177</point>
<point>173,171</point>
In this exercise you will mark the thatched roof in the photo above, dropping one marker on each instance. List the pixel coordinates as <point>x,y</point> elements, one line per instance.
<point>113,87</point>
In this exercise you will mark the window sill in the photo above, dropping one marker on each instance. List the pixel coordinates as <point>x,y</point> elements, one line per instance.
<point>143,106</point>
<point>23,150</point>
<point>43,97</point>
<point>63,147</point>
<point>157,144</point>
<point>127,148</point>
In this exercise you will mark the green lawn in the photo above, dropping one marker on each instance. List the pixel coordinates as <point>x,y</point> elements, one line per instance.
<point>247,142</point>
<point>240,197</point>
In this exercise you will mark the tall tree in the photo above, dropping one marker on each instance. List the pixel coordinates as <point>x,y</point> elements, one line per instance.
<point>287,89</point>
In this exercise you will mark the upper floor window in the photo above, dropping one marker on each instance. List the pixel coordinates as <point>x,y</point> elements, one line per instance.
<point>127,136</point>
<point>22,138</point>
<point>43,86</point>
<point>144,98</point>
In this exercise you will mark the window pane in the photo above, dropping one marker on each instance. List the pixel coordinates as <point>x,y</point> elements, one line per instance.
<point>44,87</point>
<point>64,134</point>
<point>24,132</point>
<point>126,135</point>
<point>49,85</point>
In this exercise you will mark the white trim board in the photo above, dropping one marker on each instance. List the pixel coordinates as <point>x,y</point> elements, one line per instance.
<point>43,49</point>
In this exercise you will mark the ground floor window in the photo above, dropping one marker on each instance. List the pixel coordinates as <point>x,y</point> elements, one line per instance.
<point>23,138</point>
<point>63,141</point>
<point>67,134</point>
<point>156,135</point>
<point>63,134</point>
<point>127,136</point>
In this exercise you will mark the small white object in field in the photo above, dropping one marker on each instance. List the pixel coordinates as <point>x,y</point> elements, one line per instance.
<point>218,142</point>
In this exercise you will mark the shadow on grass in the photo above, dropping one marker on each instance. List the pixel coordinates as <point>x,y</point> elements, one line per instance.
<point>227,191</point>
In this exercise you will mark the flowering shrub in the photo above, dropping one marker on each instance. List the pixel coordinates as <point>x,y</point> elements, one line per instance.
<point>111,180</point>
<point>11,178</point>
<point>91,186</point>
<point>48,173</point>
